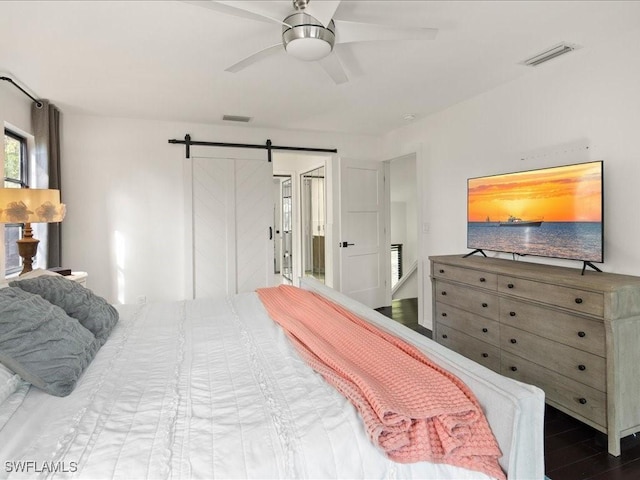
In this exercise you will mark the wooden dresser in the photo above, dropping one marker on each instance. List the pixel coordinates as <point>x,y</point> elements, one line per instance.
<point>575,336</point>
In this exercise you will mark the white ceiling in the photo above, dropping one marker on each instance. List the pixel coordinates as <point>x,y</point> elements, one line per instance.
<point>165,60</point>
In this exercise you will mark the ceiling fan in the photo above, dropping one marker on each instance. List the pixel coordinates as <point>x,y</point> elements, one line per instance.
<point>311,31</point>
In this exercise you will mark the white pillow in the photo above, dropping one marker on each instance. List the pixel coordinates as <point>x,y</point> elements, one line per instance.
<point>9,383</point>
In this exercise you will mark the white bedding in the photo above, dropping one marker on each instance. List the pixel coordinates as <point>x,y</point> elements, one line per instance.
<point>204,389</point>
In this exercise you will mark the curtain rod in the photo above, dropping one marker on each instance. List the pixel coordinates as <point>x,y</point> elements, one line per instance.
<point>267,146</point>
<point>10,80</point>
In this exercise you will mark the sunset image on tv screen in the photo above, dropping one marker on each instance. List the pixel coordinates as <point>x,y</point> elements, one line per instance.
<point>554,212</point>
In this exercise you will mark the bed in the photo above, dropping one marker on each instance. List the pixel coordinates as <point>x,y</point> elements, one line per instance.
<point>213,388</point>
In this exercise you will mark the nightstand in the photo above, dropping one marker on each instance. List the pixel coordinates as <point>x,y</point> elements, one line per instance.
<point>80,277</point>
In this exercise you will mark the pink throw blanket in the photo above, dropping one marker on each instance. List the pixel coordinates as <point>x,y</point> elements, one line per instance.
<point>412,408</point>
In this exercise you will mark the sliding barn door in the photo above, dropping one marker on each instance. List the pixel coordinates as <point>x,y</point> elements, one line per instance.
<point>254,224</point>
<point>232,217</point>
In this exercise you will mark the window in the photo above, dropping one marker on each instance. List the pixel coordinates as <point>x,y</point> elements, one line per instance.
<point>15,173</point>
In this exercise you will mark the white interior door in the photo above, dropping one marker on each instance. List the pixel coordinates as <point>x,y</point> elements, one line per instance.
<point>363,259</point>
<point>214,267</point>
<point>232,231</point>
<point>254,224</point>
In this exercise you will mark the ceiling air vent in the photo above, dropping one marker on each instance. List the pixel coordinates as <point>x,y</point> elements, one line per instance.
<point>236,118</point>
<point>549,54</point>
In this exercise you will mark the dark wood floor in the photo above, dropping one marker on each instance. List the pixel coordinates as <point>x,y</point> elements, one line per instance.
<point>405,312</point>
<point>573,450</point>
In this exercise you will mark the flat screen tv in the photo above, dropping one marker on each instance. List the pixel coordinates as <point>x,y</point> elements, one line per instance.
<point>550,212</point>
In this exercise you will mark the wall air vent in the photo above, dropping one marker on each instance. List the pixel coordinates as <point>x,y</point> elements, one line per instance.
<point>236,118</point>
<point>550,53</point>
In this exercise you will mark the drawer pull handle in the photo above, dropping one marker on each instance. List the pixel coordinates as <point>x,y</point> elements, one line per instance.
<point>444,314</point>
<point>514,369</point>
<point>512,314</point>
<point>485,355</point>
<point>485,305</point>
<point>582,367</point>
<point>482,279</point>
<point>443,293</point>
<point>485,330</point>
<point>578,300</point>
<point>582,401</point>
<point>581,334</point>
<point>513,340</point>
<point>510,285</point>
<point>441,271</point>
<point>444,335</point>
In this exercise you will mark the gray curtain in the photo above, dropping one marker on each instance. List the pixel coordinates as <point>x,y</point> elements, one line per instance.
<point>45,122</point>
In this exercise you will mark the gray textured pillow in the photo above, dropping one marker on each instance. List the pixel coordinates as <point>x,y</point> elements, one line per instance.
<point>41,343</point>
<point>92,311</point>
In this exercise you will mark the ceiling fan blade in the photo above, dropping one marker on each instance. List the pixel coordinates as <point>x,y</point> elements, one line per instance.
<point>240,9</point>
<point>251,59</point>
<point>331,64</point>
<point>349,32</point>
<point>322,10</point>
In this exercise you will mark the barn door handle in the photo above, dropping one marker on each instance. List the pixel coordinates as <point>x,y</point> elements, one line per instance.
<point>345,244</point>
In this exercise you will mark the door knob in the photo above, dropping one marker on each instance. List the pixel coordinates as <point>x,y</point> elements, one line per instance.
<point>345,244</point>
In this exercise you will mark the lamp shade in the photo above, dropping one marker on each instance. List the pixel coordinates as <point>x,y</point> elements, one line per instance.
<point>30,205</point>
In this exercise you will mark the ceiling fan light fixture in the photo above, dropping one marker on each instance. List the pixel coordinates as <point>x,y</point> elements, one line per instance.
<point>308,49</point>
<point>307,39</point>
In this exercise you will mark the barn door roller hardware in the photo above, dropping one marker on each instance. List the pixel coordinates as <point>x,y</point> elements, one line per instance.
<point>268,146</point>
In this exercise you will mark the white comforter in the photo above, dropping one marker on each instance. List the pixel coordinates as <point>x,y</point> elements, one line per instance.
<point>198,389</point>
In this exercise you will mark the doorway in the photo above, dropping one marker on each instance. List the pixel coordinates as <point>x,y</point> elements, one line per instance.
<point>403,227</point>
<point>403,201</point>
<point>294,166</point>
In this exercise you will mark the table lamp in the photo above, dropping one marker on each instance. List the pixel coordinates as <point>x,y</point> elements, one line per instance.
<point>27,206</point>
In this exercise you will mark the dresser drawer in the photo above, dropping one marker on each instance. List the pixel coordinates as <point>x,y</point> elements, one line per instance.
<point>574,396</point>
<point>572,330</point>
<point>476,278</point>
<point>474,325</point>
<point>568,361</point>
<point>469,299</point>
<point>481,352</point>
<point>582,301</point>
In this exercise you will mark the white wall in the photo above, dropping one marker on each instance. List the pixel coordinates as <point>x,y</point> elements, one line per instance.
<point>124,188</point>
<point>398,221</point>
<point>15,110</point>
<point>588,98</point>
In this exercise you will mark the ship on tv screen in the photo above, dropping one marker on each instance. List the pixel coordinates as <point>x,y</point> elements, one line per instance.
<point>551,212</point>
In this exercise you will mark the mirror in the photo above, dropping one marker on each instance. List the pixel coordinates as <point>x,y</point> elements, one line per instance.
<point>313,223</point>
